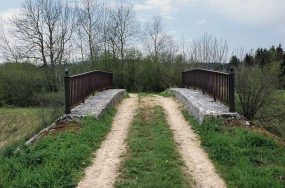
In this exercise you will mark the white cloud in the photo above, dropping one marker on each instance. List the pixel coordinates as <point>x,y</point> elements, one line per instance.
<point>259,12</point>
<point>163,7</point>
<point>9,13</point>
<point>141,19</point>
<point>168,17</point>
<point>201,22</point>
<point>172,32</point>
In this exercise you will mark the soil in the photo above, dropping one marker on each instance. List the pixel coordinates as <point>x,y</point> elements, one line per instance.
<point>72,127</point>
<point>107,159</point>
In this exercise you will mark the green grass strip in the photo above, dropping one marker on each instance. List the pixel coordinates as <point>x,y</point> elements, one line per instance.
<point>152,159</point>
<point>243,158</point>
<point>55,161</point>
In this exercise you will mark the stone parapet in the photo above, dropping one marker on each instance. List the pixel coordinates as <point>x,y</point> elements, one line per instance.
<point>94,106</point>
<point>202,106</point>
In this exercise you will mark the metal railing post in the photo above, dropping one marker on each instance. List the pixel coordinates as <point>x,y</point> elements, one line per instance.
<point>232,89</point>
<point>182,70</point>
<point>83,92</point>
<point>93,89</point>
<point>83,101</point>
<point>67,92</point>
<point>112,78</point>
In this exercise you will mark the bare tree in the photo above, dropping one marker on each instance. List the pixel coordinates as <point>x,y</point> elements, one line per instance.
<point>90,13</point>
<point>9,51</point>
<point>123,27</point>
<point>155,38</point>
<point>44,27</point>
<point>209,49</point>
<point>239,53</point>
<point>105,28</point>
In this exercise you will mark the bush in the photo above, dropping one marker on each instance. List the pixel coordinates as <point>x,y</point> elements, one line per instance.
<point>18,83</point>
<point>255,87</point>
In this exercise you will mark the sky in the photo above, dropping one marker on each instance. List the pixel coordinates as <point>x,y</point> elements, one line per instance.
<point>247,24</point>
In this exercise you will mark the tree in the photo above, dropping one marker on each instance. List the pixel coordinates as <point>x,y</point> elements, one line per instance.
<point>209,49</point>
<point>123,27</point>
<point>262,57</point>
<point>89,30</point>
<point>234,61</point>
<point>44,27</point>
<point>248,60</point>
<point>10,52</point>
<point>155,38</point>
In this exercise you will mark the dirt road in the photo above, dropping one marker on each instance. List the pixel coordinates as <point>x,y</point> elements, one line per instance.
<point>107,159</point>
<point>196,159</point>
<point>106,163</point>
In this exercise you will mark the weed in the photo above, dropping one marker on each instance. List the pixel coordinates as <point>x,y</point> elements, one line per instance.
<point>128,95</point>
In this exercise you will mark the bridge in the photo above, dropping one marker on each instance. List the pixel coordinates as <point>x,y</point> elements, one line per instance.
<point>204,94</point>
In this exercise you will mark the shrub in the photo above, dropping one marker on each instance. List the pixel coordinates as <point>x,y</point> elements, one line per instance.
<point>18,83</point>
<point>255,87</point>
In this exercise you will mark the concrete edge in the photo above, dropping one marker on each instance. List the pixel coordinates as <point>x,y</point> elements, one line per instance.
<point>198,112</point>
<point>114,100</point>
<point>73,117</point>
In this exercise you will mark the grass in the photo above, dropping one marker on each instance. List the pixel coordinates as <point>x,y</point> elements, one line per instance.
<point>152,159</point>
<point>243,158</point>
<point>272,117</point>
<point>19,124</point>
<point>164,94</point>
<point>57,160</point>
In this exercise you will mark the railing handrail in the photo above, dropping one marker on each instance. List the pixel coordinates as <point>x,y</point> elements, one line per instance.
<point>85,73</point>
<point>79,87</point>
<point>207,71</point>
<point>218,84</point>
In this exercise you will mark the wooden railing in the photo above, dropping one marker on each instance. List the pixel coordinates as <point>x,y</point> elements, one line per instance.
<point>219,85</point>
<point>79,87</point>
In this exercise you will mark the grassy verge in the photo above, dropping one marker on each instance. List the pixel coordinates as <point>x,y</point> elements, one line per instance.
<point>152,160</point>
<point>272,117</point>
<point>243,158</point>
<point>57,160</point>
<point>19,124</point>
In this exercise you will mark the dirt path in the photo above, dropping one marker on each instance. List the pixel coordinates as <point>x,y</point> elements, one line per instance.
<point>107,159</point>
<point>105,166</point>
<point>197,161</point>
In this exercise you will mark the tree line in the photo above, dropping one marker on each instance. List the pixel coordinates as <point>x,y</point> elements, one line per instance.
<point>86,35</point>
<point>55,33</point>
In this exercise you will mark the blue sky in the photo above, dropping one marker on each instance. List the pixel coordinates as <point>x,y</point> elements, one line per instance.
<point>243,23</point>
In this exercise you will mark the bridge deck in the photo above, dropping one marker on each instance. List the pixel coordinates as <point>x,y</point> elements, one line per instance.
<point>95,105</point>
<point>202,106</point>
